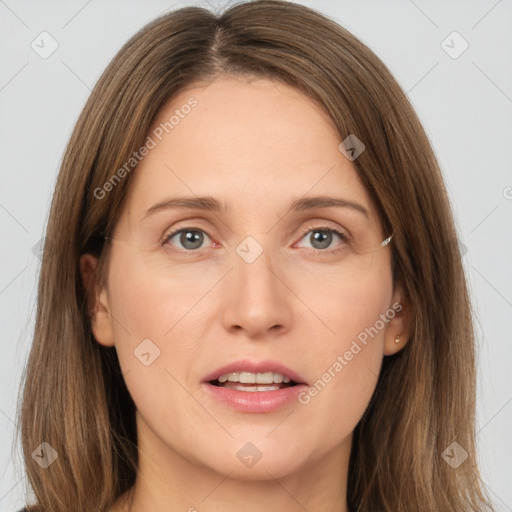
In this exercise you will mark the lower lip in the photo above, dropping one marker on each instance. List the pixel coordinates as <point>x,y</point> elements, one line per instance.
<point>255,401</point>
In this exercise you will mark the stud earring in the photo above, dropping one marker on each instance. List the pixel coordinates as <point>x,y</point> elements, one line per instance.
<point>397,339</point>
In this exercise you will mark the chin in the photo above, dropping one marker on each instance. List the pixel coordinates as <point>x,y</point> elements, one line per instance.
<point>258,460</point>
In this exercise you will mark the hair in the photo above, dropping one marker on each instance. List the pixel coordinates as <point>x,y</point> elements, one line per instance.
<point>74,396</point>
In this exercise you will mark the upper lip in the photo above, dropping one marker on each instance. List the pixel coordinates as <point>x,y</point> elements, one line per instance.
<point>246,365</point>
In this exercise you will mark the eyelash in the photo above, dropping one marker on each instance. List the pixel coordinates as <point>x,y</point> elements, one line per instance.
<point>343,236</point>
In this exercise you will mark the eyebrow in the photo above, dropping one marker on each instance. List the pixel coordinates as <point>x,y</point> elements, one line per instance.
<point>212,204</point>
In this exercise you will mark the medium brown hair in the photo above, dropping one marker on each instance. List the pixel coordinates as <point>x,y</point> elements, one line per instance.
<point>74,396</point>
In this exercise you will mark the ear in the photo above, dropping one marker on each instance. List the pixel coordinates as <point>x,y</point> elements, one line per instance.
<point>97,302</point>
<point>400,324</point>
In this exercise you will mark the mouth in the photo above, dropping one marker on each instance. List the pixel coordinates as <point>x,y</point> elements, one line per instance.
<point>249,387</point>
<point>254,387</point>
<point>253,382</point>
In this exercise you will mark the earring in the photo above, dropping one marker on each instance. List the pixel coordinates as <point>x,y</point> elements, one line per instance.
<point>397,339</point>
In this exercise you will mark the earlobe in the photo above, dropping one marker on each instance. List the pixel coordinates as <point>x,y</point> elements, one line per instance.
<point>399,329</point>
<point>97,302</point>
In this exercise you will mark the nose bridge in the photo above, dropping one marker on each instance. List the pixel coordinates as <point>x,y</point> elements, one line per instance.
<point>255,267</point>
<point>257,298</point>
<point>254,264</point>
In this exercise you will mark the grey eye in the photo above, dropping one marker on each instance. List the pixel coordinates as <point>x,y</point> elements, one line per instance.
<point>320,239</point>
<point>189,239</point>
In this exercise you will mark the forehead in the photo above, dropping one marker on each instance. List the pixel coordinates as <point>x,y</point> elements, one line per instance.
<point>253,144</point>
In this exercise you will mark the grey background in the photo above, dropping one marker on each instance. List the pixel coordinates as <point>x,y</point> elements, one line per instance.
<point>465,104</point>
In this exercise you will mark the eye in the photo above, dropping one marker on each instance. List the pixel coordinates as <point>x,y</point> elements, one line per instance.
<point>189,238</point>
<point>321,237</point>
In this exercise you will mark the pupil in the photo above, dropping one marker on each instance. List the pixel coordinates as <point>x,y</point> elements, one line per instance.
<point>323,238</point>
<point>194,238</point>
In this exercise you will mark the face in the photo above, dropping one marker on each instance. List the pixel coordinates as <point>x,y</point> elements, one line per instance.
<point>248,282</point>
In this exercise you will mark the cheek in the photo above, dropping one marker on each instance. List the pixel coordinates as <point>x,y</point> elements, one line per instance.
<point>356,316</point>
<point>348,355</point>
<point>155,340</point>
<point>342,307</point>
<point>152,311</point>
<point>151,299</point>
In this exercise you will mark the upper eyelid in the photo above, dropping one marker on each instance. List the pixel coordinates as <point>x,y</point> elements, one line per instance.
<point>312,225</point>
<point>324,227</point>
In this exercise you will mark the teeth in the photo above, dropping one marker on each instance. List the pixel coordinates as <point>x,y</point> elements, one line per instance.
<point>254,378</point>
<point>255,388</point>
<point>278,378</point>
<point>247,378</point>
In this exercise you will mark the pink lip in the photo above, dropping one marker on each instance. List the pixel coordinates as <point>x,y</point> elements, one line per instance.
<point>255,401</point>
<point>245,365</point>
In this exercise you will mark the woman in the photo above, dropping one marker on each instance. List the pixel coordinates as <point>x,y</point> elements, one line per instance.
<point>254,297</point>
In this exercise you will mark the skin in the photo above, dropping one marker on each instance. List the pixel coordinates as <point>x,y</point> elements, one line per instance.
<point>256,145</point>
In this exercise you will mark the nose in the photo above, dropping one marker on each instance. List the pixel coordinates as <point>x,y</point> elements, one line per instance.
<point>258,299</point>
